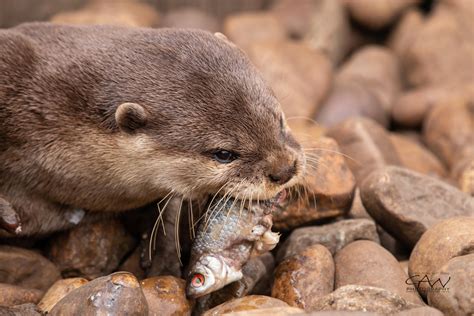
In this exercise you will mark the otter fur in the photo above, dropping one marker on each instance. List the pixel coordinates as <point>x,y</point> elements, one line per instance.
<point>101,119</point>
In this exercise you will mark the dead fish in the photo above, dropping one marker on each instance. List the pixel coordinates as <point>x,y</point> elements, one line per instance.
<point>225,244</point>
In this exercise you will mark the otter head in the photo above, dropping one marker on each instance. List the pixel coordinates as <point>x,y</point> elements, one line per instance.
<point>211,124</point>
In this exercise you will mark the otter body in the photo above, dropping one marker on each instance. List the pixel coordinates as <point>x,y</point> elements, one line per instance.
<point>98,118</point>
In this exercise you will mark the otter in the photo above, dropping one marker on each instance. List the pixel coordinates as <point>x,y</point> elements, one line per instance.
<point>100,119</point>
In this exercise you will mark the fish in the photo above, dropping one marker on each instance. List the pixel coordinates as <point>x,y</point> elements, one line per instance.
<point>226,242</point>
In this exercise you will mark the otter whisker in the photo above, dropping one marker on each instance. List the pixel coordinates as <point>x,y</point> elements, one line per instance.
<point>176,232</point>
<point>310,149</point>
<point>304,118</point>
<point>212,200</point>
<point>225,199</point>
<point>151,244</point>
<point>191,219</point>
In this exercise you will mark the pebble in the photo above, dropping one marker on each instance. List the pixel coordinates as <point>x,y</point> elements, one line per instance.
<point>300,77</point>
<point>448,129</point>
<point>459,299</point>
<point>406,203</point>
<point>57,291</point>
<point>26,268</point>
<point>166,295</point>
<point>366,145</point>
<point>91,250</point>
<point>246,303</point>
<point>377,14</point>
<point>304,277</point>
<point>365,262</point>
<point>247,28</point>
<point>445,240</point>
<point>416,157</point>
<point>124,13</point>
<point>190,17</point>
<point>363,298</point>
<point>115,294</point>
<point>463,174</point>
<point>333,236</point>
<point>20,310</point>
<point>15,295</point>
<point>274,311</point>
<point>327,188</point>
<point>404,33</point>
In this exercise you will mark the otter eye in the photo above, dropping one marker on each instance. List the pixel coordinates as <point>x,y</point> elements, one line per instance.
<point>224,156</point>
<point>197,280</point>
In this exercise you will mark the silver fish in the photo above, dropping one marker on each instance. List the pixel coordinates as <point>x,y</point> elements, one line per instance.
<point>224,244</point>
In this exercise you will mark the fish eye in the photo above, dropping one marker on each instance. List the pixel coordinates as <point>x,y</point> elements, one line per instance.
<point>197,280</point>
<point>224,156</point>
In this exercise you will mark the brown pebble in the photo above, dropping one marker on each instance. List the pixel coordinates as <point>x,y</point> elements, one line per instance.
<point>304,277</point>
<point>448,129</point>
<point>166,295</point>
<point>420,311</point>
<point>416,157</point>
<point>27,309</point>
<point>115,294</point>
<point>406,203</point>
<point>26,268</point>
<point>327,188</point>
<point>459,298</point>
<point>364,262</point>
<point>445,240</point>
<point>57,291</point>
<point>12,295</point>
<point>300,77</point>
<point>363,298</point>
<point>463,174</point>
<point>190,17</point>
<point>246,303</point>
<point>366,145</point>
<point>404,32</point>
<point>133,264</point>
<point>333,236</point>
<point>274,311</point>
<point>91,250</point>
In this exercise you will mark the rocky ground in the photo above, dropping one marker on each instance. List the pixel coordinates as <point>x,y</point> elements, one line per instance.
<point>381,95</point>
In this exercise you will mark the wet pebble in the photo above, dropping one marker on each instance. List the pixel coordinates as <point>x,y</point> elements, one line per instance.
<point>166,295</point>
<point>91,250</point>
<point>26,268</point>
<point>406,203</point>
<point>303,278</point>
<point>115,294</point>
<point>364,262</point>
<point>333,236</point>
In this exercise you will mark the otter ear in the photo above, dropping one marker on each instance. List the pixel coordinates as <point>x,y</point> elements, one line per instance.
<point>130,116</point>
<point>221,36</point>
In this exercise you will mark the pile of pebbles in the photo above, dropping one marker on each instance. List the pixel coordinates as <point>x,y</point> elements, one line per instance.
<point>380,94</point>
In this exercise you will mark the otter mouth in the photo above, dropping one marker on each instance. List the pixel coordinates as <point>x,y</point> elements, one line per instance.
<point>278,200</point>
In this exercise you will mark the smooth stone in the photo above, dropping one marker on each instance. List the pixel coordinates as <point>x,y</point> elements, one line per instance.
<point>326,191</point>
<point>26,268</point>
<point>304,277</point>
<point>166,295</point>
<point>57,291</point>
<point>15,295</point>
<point>300,77</point>
<point>463,174</point>
<point>274,311</point>
<point>27,309</point>
<point>333,236</point>
<point>91,250</point>
<point>447,239</point>
<point>190,17</point>
<point>366,145</point>
<point>365,262</point>
<point>115,294</point>
<point>416,157</point>
<point>363,298</point>
<point>448,130</point>
<point>459,299</point>
<point>406,203</point>
<point>420,311</point>
<point>246,303</point>
<point>404,32</point>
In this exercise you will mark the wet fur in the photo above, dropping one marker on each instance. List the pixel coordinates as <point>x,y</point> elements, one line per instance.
<point>62,149</point>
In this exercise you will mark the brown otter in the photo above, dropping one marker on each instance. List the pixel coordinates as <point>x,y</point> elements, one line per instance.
<point>103,118</point>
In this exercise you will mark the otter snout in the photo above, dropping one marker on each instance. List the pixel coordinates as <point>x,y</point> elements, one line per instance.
<point>282,173</point>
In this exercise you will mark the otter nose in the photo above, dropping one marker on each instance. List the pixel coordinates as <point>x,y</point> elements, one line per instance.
<point>283,175</point>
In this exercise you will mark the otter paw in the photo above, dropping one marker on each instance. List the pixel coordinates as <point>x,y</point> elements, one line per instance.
<point>268,241</point>
<point>9,219</point>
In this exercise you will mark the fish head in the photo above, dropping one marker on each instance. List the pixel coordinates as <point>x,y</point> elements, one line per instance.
<point>210,273</point>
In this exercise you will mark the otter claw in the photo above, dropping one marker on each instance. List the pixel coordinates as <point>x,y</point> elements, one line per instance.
<point>9,219</point>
